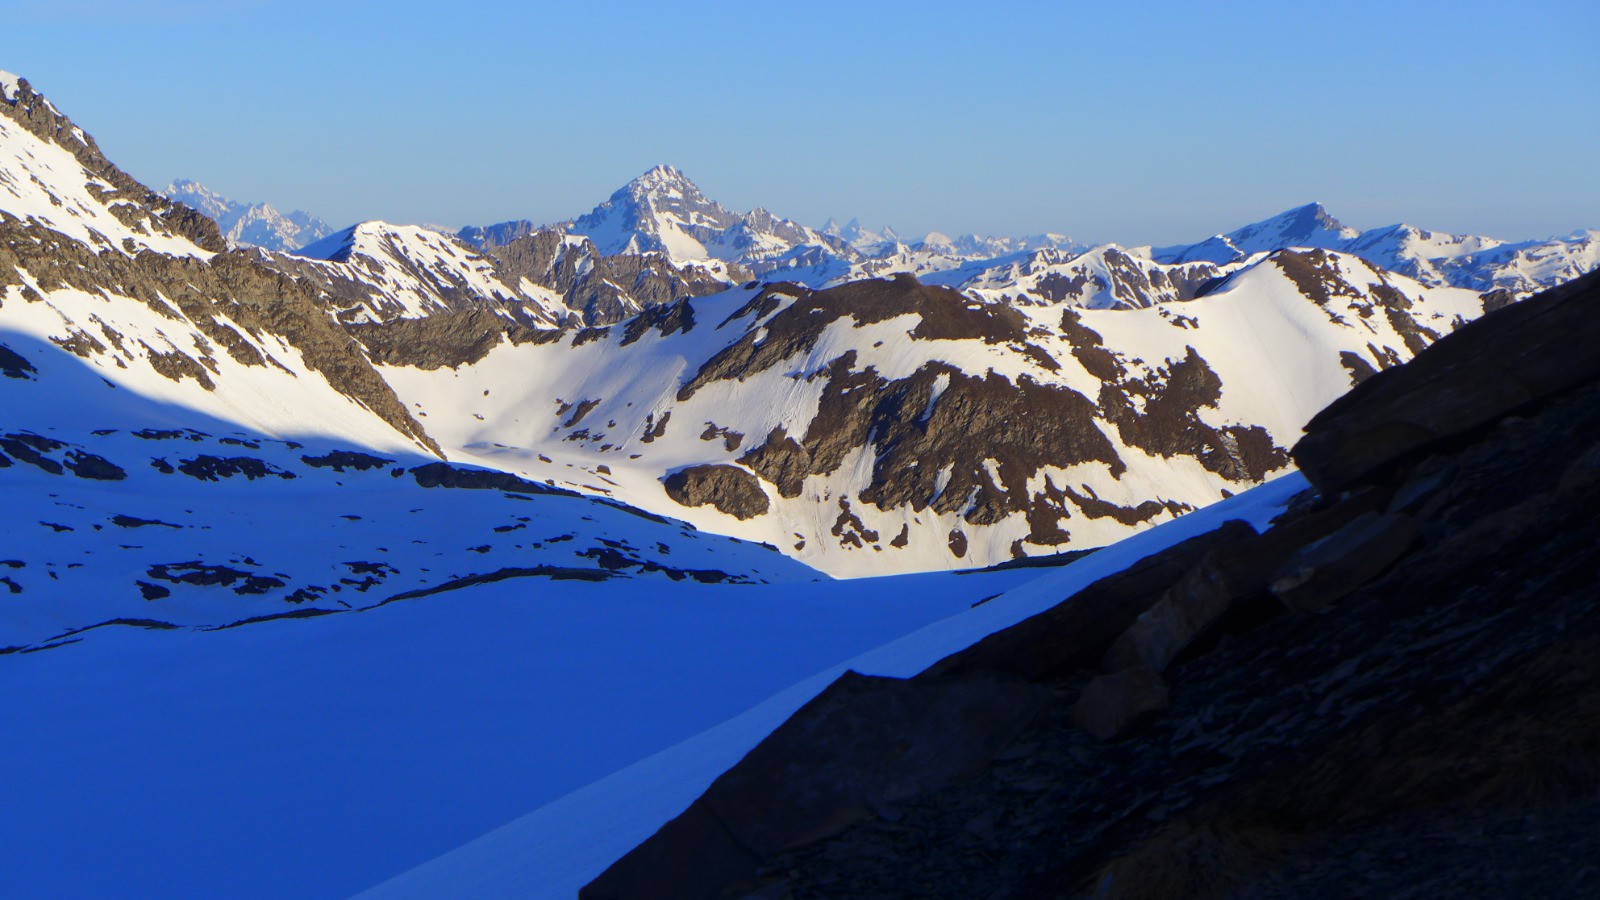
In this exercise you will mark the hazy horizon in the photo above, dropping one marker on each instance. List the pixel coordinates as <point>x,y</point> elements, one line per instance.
<point>1159,126</point>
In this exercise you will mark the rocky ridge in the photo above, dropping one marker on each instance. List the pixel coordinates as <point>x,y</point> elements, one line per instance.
<point>167,298</point>
<point>604,289</point>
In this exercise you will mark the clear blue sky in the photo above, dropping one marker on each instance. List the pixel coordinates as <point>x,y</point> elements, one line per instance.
<point>1131,122</point>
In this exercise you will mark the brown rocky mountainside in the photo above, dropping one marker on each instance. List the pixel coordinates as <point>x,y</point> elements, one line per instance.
<point>1394,691</point>
<point>602,290</point>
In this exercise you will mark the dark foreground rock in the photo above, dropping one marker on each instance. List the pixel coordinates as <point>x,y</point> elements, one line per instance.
<point>1395,691</point>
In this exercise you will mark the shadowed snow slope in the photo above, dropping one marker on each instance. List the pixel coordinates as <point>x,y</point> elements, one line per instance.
<point>557,849</point>
<point>317,757</point>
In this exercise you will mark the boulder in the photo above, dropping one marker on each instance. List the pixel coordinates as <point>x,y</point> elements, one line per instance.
<point>1228,584</point>
<point>1111,705</point>
<point>1326,570</point>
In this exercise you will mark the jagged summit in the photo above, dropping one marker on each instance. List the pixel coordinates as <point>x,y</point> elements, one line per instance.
<point>199,197</point>
<point>660,211</point>
<point>663,180</point>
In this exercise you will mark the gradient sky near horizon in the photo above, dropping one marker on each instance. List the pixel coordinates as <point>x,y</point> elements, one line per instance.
<point>1154,122</point>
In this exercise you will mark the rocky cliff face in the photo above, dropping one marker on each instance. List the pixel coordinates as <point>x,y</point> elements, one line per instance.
<point>1390,691</point>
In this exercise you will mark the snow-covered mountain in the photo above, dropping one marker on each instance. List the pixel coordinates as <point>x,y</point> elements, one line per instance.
<point>192,439</point>
<point>886,425</point>
<point>1304,226</point>
<point>865,428</point>
<point>1433,258</point>
<point>1105,277</point>
<point>664,212</point>
<point>859,237</point>
<point>250,224</point>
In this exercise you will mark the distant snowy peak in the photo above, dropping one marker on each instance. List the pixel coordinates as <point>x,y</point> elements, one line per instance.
<point>1104,277</point>
<point>201,198</point>
<point>859,237</point>
<point>1304,226</point>
<point>1308,226</point>
<point>662,211</point>
<point>250,224</point>
<point>1432,257</point>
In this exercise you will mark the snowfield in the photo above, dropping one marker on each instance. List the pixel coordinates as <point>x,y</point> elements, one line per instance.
<point>555,850</point>
<point>316,757</point>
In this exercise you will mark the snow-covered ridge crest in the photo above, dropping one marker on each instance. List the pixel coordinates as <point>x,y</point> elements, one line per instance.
<point>52,173</point>
<point>377,272</point>
<point>1104,277</point>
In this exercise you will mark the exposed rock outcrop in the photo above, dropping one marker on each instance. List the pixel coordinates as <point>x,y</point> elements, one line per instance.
<point>601,289</point>
<point>728,488</point>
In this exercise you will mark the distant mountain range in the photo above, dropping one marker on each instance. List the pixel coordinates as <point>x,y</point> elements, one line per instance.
<point>250,224</point>
<point>660,238</point>
<point>663,212</point>
<point>1435,258</point>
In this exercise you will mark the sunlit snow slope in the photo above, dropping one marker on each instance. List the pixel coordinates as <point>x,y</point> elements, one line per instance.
<point>886,426</point>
